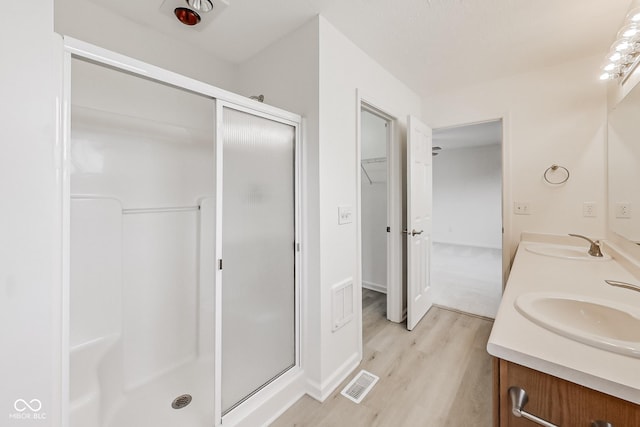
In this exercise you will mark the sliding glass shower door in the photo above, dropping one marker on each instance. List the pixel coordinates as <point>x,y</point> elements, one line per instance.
<point>258,252</point>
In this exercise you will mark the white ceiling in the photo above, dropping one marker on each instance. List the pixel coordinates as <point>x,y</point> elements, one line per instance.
<point>474,135</point>
<point>431,45</point>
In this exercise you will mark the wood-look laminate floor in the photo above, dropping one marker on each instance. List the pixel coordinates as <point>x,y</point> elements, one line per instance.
<point>438,375</point>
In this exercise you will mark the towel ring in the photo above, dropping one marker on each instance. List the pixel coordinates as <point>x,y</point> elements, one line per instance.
<point>552,170</point>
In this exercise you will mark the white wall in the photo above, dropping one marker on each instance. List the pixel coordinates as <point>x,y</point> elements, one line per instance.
<point>315,71</point>
<point>287,74</point>
<point>467,196</point>
<point>374,202</point>
<point>30,275</point>
<point>84,20</point>
<point>343,69</point>
<point>374,136</point>
<point>551,115</point>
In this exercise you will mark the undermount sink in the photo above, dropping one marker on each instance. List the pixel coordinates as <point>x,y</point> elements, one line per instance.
<point>566,252</point>
<point>599,323</point>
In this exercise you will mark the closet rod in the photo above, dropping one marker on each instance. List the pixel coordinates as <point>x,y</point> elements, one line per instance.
<point>160,210</point>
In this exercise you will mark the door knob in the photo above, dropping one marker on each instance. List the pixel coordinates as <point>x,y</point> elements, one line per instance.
<point>413,232</point>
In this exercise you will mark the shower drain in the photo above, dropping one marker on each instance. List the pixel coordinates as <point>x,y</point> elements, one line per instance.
<point>181,401</point>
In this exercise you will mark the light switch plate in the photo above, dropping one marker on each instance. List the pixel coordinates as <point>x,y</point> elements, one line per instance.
<point>345,215</point>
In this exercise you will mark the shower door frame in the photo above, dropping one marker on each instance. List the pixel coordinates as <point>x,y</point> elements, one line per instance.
<point>220,106</point>
<point>109,59</point>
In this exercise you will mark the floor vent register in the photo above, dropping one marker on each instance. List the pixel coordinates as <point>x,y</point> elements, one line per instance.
<point>358,388</point>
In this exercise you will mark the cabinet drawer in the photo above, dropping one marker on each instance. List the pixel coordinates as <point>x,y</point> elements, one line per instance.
<point>558,401</point>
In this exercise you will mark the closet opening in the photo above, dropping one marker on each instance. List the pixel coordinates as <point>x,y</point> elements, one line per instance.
<point>380,271</point>
<point>374,203</point>
<point>467,255</point>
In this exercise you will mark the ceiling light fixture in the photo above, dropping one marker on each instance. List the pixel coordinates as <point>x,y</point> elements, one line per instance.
<point>624,55</point>
<point>187,16</point>
<point>202,6</point>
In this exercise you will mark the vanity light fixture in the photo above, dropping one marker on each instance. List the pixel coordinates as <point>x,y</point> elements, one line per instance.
<point>624,55</point>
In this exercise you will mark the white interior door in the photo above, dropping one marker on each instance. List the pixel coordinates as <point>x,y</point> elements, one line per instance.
<point>419,208</point>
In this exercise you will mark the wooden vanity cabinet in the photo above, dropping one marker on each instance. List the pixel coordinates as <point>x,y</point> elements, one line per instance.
<point>555,400</point>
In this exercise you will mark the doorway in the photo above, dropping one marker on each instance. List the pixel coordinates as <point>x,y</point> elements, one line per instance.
<point>467,217</point>
<point>374,222</point>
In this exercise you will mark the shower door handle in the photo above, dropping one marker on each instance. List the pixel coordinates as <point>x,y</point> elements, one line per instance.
<point>412,232</point>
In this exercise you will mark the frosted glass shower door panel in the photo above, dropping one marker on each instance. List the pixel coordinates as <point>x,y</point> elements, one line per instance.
<point>258,234</point>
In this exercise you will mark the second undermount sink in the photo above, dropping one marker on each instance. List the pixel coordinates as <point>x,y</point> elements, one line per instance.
<point>604,324</point>
<point>566,252</point>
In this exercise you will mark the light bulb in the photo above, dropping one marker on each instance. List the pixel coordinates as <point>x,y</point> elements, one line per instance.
<point>605,76</point>
<point>622,46</point>
<point>203,6</point>
<point>634,15</point>
<point>615,57</point>
<point>630,32</point>
<point>610,67</point>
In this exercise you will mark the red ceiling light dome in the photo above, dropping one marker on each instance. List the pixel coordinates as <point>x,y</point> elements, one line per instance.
<point>187,16</point>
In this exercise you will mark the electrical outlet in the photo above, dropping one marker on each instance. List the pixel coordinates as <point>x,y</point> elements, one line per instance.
<point>521,208</point>
<point>589,209</point>
<point>623,210</point>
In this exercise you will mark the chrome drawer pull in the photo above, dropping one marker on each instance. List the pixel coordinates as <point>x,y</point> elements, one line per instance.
<point>519,398</point>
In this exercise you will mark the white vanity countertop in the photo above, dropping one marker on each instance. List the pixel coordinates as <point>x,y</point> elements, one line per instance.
<point>516,339</point>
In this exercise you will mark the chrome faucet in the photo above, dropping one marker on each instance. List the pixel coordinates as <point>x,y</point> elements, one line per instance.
<point>594,249</point>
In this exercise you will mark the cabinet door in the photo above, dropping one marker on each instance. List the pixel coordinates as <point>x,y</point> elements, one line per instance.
<point>561,402</point>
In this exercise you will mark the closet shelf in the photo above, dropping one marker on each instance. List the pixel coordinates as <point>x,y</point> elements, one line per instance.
<point>369,161</point>
<point>373,160</point>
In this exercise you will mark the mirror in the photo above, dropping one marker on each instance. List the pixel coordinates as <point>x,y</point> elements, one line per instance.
<point>624,167</point>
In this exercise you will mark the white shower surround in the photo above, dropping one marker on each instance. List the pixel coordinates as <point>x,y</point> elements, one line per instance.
<point>89,349</point>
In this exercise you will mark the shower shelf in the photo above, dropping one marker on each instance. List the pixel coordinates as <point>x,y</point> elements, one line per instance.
<point>369,161</point>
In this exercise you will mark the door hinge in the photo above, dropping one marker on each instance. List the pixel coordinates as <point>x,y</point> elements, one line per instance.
<point>220,264</point>
<point>297,247</point>
<point>388,229</point>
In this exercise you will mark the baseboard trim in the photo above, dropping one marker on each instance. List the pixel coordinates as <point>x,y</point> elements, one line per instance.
<point>321,391</point>
<point>374,287</point>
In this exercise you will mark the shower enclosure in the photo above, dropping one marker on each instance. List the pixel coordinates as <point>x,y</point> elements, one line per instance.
<point>182,267</point>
